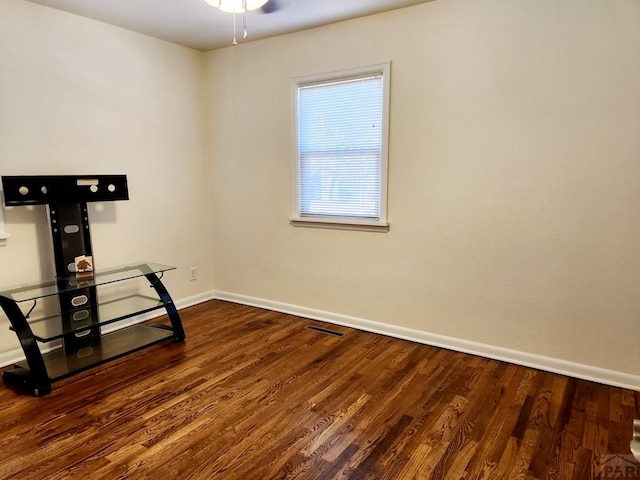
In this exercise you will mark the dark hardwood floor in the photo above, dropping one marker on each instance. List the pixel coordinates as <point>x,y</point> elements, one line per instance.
<point>253,394</point>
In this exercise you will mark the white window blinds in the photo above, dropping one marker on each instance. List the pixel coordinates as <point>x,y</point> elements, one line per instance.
<point>340,128</point>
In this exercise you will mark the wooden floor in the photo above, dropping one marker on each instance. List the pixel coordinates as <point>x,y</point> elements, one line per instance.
<point>253,394</point>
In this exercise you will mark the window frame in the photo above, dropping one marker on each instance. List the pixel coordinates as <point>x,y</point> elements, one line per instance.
<point>334,221</point>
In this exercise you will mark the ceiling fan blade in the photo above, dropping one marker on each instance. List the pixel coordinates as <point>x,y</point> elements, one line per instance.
<point>271,6</point>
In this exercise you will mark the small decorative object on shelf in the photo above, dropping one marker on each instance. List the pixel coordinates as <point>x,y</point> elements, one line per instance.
<point>81,318</point>
<point>84,266</point>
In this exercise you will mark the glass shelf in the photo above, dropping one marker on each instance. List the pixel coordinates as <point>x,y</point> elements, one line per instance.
<point>111,346</point>
<point>50,328</point>
<point>72,283</point>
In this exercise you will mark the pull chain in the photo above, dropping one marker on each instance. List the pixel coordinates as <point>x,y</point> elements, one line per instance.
<point>245,33</point>
<point>235,38</point>
<point>244,19</point>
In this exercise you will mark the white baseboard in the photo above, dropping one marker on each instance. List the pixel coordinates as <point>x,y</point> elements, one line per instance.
<point>195,299</point>
<point>17,355</point>
<point>555,365</point>
<point>563,367</point>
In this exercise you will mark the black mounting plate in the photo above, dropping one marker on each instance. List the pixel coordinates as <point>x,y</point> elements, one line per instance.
<point>56,189</point>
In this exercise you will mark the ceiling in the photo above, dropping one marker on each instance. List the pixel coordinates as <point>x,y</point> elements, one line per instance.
<point>195,24</point>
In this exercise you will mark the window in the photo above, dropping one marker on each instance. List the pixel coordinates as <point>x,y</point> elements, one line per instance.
<point>341,161</point>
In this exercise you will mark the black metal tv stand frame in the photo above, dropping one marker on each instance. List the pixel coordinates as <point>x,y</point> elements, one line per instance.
<point>81,316</point>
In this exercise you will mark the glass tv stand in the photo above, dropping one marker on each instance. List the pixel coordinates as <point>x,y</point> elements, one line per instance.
<point>79,323</point>
<point>36,373</point>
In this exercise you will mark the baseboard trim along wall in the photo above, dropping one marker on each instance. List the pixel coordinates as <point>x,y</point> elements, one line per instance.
<point>17,355</point>
<point>563,367</point>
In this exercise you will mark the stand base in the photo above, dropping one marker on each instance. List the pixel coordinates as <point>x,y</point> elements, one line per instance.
<point>21,378</point>
<point>112,346</point>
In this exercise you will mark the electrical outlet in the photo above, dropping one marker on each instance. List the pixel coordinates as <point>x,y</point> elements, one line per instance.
<point>194,273</point>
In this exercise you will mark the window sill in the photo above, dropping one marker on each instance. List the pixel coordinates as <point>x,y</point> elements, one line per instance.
<point>340,224</point>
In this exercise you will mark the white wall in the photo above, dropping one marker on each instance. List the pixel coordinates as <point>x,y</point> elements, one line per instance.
<point>513,185</point>
<point>81,97</point>
<point>514,162</point>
